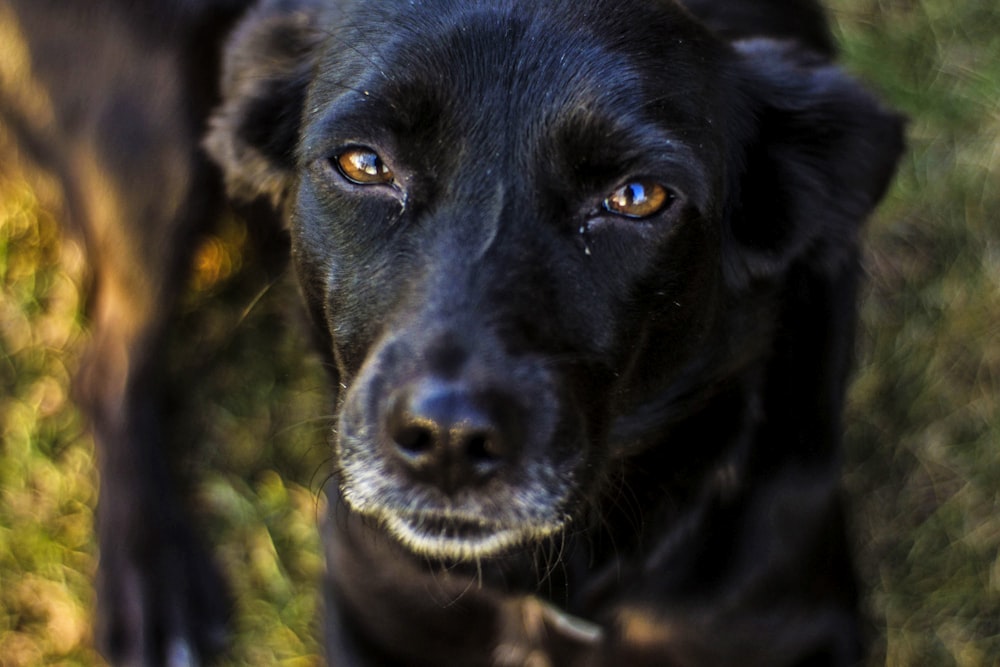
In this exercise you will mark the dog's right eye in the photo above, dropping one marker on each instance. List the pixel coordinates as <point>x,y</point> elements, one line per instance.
<point>363,166</point>
<point>639,199</point>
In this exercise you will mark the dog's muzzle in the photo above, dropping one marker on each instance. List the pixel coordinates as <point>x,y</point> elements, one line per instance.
<point>458,466</point>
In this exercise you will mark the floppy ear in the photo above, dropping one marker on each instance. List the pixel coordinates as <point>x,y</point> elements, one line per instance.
<point>818,153</point>
<point>267,67</point>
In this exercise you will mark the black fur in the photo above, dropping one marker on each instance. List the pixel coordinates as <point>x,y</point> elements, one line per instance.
<point>567,436</point>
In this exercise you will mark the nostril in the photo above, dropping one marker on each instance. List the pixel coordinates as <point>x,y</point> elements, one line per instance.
<point>483,448</point>
<point>414,439</point>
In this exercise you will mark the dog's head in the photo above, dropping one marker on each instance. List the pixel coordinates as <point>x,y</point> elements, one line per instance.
<point>523,228</point>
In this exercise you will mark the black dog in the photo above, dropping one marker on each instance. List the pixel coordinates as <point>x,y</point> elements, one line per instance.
<point>586,271</point>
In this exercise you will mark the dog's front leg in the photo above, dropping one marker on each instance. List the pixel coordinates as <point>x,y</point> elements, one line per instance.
<point>160,598</point>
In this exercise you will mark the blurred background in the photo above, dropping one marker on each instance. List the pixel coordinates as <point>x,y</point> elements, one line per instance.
<point>922,466</point>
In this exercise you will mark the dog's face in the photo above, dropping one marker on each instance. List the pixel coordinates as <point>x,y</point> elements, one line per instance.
<point>495,215</point>
<point>521,225</point>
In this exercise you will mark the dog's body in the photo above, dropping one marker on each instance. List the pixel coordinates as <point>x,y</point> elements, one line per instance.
<point>586,274</point>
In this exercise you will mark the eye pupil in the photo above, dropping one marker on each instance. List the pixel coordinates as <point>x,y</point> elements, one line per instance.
<point>634,193</point>
<point>363,166</point>
<point>638,199</point>
<point>369,163</point>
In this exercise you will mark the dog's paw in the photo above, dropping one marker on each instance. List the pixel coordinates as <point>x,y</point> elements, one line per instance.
<point>537,634</point>
<point>161,601</point>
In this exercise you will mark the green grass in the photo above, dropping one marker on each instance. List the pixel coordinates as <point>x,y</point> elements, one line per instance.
<point>923,441</point>
<point>924,435</point>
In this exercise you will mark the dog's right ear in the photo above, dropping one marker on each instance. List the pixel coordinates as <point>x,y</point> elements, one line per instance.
<point>267,67</point>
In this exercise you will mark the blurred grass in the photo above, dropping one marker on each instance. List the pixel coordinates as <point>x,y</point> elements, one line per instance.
<point>923,445</point>
<point>924,423</point>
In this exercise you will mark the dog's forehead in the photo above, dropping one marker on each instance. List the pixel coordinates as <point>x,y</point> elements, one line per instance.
<point>512,65</point>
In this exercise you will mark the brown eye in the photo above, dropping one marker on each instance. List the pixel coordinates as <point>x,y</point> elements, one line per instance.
<point>638,199</point>
<point>363,166</point>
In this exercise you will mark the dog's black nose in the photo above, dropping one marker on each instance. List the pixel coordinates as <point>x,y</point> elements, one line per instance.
<point>446,435</point>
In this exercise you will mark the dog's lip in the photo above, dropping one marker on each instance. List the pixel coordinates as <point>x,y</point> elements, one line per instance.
<point>457,536</point>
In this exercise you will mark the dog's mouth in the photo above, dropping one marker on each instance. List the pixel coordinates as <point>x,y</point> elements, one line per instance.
<point>458,537</point>
<point>469,525</point>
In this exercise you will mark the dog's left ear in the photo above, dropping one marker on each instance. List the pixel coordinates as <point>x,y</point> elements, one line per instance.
<point>268,64</point>
<point>817,153</point>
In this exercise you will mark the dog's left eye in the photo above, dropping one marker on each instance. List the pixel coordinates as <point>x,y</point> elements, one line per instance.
<point>363,166</point>
<point>639,199</point>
